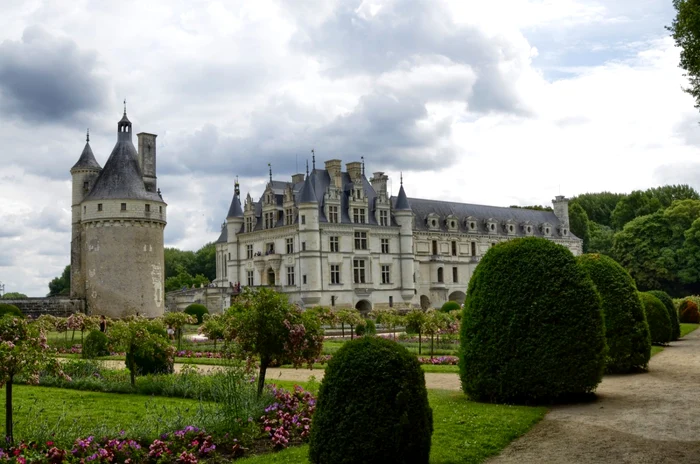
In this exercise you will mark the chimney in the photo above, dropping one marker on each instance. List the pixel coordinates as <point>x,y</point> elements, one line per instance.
<point>354,170</point>
<point>561,210</point>
<point>296,178</point>
<point>147,159</point>
<point>333,167</point>
<point>379,181</point>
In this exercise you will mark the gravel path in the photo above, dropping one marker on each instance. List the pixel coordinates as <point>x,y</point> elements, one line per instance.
<point>641,418</point>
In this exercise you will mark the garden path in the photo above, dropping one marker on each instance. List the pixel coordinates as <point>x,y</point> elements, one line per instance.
<point>641,418</point>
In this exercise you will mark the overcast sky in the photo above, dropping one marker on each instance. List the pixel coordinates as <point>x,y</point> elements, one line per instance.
<point>492,102</point>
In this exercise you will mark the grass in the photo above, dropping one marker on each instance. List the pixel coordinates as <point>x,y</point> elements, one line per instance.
<point>465,431</point>
<point>656,349</point>
<point>687,328</point>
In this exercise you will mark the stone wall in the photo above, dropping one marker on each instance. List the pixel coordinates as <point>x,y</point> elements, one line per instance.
<point>216,299</point>
<point>57,306</point>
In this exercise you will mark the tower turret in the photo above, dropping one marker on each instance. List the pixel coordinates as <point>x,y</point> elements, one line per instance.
<point>403,215</point>
<point>310,242</point>
<point>234,224</point>
<point>561,211</point>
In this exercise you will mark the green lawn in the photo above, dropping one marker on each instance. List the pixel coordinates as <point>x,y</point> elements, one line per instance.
<point>656,349</point>
<point>465,431</point>
<point>687,328</point>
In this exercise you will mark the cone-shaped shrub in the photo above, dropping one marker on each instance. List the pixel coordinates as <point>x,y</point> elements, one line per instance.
<point>372,407</point>
<point>671,310</point>
<point>688,312</point>
<point>658,319</point>
<point>626,329</point>
<point>532,328</point>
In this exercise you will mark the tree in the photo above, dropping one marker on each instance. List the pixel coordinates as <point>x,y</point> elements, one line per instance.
<point>415,323</point>
<point>177,321</point>
<point>213,328</point>
<point>184,279</point>
<point>599,206</point>
<point>205,261</point>
<point>601,238</point>
<point>14,296</point>
<point>389,318</point>
<point>264,323</point>
<point>578,219</point>
<point>641,203</point>
<point>60,285</point>
<point>351,317</point>
<point>685,30</point>
<point>435,322</point>
<point>23,350</point>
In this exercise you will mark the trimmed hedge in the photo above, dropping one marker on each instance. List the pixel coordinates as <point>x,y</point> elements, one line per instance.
<point>626,328</point>
<point>372,407</point>
<point>95,345</point>
<point>657,317</point>
<point>532,327</point>
<point>197,310</point>
<point>6,308</point>
<point>688,312</point>
<point>450,306</point>
<point>370,328</point>
<point>672,313</point>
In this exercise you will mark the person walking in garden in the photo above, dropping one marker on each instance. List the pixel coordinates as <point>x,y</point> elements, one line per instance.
<point>103,324</point>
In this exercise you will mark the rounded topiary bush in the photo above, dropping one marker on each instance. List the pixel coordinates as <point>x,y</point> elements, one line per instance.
<point>450,306</point>
<point>671,310</point>
<point>657,317</point>
<point>197,310</point>
<point>626,329</point>
<point>532,328</point>
<point>368,328</point>
<point>372,407</point>
<point>10,309</point>
<point>95,345</point>
<point>154,357</point>
<point>688,312</point>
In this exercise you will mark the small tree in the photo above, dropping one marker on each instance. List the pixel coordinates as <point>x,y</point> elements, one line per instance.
<point>177,321</point>
<point>23,350</point>
<point>142,339</point>
<point>389,318</point>
<point>350,317</point>
<point>415,323</point>
<point>435,322</point>
<point>213,328</point>
<point>263,322</point>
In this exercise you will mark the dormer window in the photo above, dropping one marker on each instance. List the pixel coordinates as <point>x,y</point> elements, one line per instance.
<point>358,215</point>
<point>432,221</point>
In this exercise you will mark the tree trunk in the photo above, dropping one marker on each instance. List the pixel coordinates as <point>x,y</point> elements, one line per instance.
<point>432,345</point>
<point>419,343</point>
<point>8,411</point>
<point>72,337</point>
<point>132,368</point>
<point>342,328</point>
<point>264,362</point>
<point>352,332</point>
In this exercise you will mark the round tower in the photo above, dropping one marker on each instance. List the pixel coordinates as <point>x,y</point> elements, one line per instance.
<point>403,215</point>
<point>83,174</point>
<point>123,223</point>
<point>310,239</point>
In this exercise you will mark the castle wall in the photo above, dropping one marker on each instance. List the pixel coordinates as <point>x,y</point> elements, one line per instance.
<point>54,306</point>
<point>124,268</point>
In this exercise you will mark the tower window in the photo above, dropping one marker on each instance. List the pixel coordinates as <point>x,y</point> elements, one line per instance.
<point>440,275</point>
<point>148,208</point>
<point>160,208</point>
<point>99,207</point>
<point>303,219</point>
<point>123,206</point>
<point>86,185</point>
<point>84,209</point>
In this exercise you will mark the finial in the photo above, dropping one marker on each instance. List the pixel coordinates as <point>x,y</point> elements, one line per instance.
<point>125,107</point>
<point>270,166</point>
<point>401,177</point>
<point>307,168</point>
<point>363,164</point>
<point>87,138</point>
<point>237,188</point>
<point>313,159</point>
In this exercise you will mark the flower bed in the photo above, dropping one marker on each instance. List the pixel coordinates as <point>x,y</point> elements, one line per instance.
<point>439,360</point>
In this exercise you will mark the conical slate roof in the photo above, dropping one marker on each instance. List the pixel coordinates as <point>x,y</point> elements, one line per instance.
<point>402,201</point>
<point>235,209</point>
<point>121,178</point>
<point>87,160</point>
<point>307,193</point>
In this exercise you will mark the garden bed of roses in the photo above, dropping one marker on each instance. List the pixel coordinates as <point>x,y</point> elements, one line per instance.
<point>285,422</point>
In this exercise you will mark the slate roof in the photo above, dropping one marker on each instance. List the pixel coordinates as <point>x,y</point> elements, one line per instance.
<point>402,201</point>
<point>235,210</point>
<point>223,238</point>
<point>121,178</point>
<point>87,160</point>
<point>307,193</point>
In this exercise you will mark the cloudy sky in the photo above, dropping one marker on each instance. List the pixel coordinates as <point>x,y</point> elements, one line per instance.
<point>494,102</point>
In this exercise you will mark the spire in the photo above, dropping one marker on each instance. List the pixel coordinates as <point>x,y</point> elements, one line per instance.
<point>313,159</point>
<point>363,164</point>
<point>235,209</point>
<point>87,138</point>
<point>402,203</point>
<point>270,166</point>
<point>307,193</point>
<point>307,168</point>
<point>124,127</point>
<point>87,159</point>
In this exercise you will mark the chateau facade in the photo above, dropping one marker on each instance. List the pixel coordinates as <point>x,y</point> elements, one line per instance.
<point>335,238</point>
<point>118,219</point>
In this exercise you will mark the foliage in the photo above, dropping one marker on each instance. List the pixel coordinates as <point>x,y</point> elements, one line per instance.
<point>578,219</point>
<point>533,207</point>
<point>60,285</point>
<point>287,420</point>
<point>264,323</point>
<point>213,328</point>
<point>435,323</point>
<point>389,318</point>
<point>642,203</point>
<point>601,238</point>
<point>532,328</point>
<point>368,328</point>
<point>95,345</point>
<point>197,310</point>
<point>382,418</point>
<point>23,350</point>
<point>416,320</point>
<point>351,317</point>
<point>659,322</point>
<point>184,280</point>
<point>177,321</point>
<point>14,296</point>
<point>202,262</point>
<point>626,329</point>
<point>598,206</point>
<point>688,312</point>
<point>11,310</point>
<point>450,306</point>
<point>325,314</point>
<point>685,30</point>
<point>672,313</point>
<point>147,350</point>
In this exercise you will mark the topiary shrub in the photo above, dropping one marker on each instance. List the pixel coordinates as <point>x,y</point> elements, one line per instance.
<point>372,407</point>
<point>95,345</point>
<point>626,328</point>
<point>368,328</point>
<point>154,357</point>
<point>197,310</point>
<point>671,310</point>
<point>450,306</point>
<point>658,319</point>
<point>688,312</point>
<point>532,328</point>
<point>12,310</point>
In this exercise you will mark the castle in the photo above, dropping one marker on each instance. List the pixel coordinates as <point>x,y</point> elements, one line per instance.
<point>338,239</point>
<point>118,218</point>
